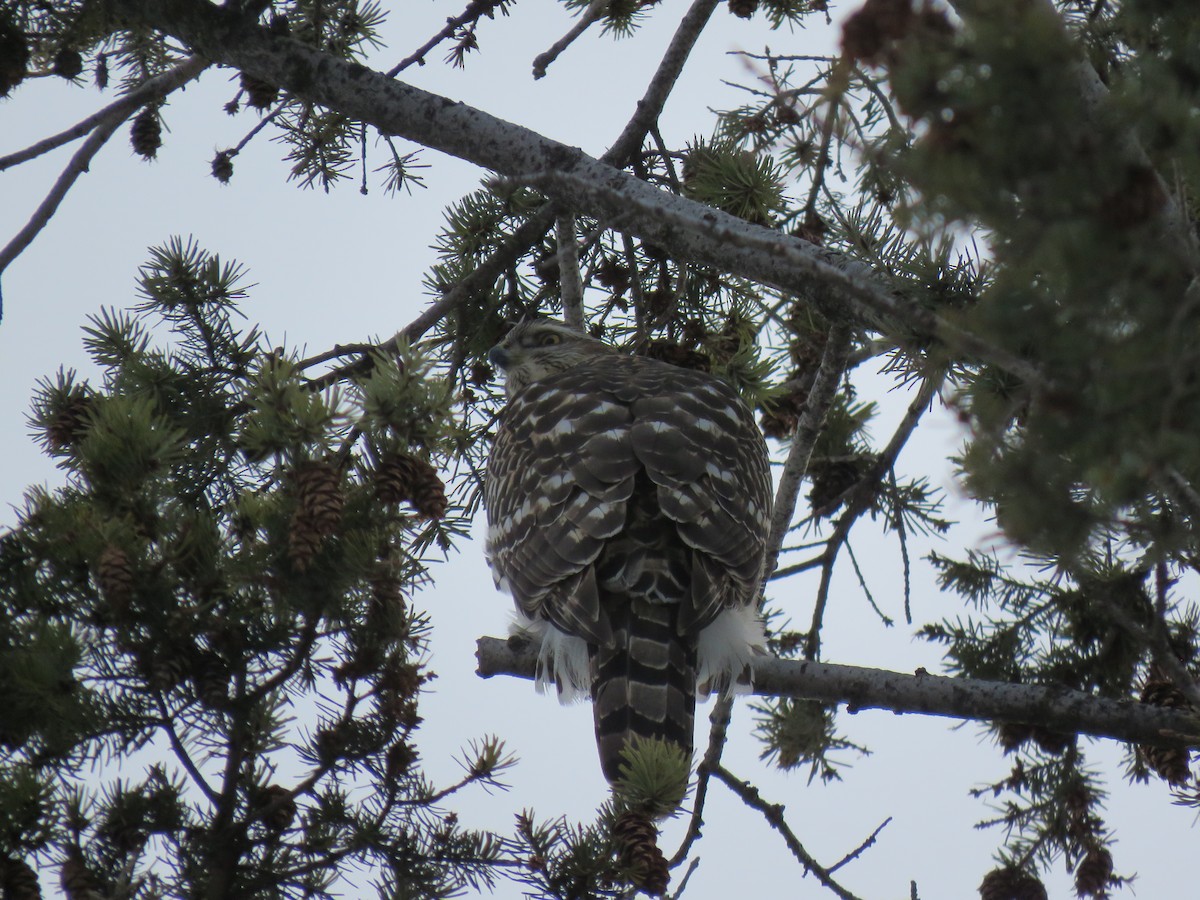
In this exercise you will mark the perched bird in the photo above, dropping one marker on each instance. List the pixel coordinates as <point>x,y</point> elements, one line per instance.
<point>628,503</point>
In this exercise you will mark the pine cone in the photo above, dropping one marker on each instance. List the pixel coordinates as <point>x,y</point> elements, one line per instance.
<point>259,94</point>
<point>481,373</point>
<point>318,510</point>
<point>613,274</point>
<point>167,671</point>
<point>125,827</point>
<point>101,74</point>
<point>1055,743</point>
<point>67,64</point>
<point>222,167</point>
<point>743,9</point>
<point>781,414</point>
<point>401,477</point>
<point>71,422</point>
<point>14,54</point>
<point>871,29</point>
<point>400,757</point>
<point>830,480</point>
<point>1011,883</point>
<point>282,815</point>
<point>1094,873</point>
<point>212,683</point>
<point>1172,764</point>
<point>146,133</point>
<point>636,839</point>
<point>18,881</point>
<point>1012,735</point>
<point>114,573</point>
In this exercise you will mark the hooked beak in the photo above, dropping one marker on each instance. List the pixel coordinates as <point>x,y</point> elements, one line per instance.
<point>499,357</point>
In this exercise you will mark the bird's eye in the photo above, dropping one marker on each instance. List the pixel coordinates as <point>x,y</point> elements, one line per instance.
<point>549,339</point>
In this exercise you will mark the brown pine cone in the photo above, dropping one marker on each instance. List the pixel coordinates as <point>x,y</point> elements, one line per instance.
<point>14,53</point>
<point>71,422</point>
<point>1094,873</point>
<point>222,167</point>
<point>67,64</point>
<point>1010,883</point>
<point>282,815</point>
<point>318,511</point>
<point>146,133</point>
<point>830,481</point>
<point>401,478</point>
<point>77,881</point>
<point>1172,764</point>
<point>743,9</point>
<point>636,839</point>
<point>259,94</point>
<point>678,355</point>
<point>114,574</point>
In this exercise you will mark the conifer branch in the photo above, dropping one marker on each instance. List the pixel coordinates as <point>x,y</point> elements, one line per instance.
<point>718,732</point>
<point>102,126</point>
<point>862,688</point>
<point>119,109</point>
<point>475,10</point>
<point>843,289</point>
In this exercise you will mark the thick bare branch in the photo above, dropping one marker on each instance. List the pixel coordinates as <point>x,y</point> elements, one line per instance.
<point>860,688</point>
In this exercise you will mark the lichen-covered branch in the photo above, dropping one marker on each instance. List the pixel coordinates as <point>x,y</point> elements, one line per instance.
<point>861,688</point>
<point>842,288</point>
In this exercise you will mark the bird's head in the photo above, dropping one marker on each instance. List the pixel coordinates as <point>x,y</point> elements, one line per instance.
<point>541,347</point>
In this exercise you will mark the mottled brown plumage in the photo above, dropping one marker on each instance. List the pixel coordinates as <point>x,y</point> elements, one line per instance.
<point>628,502</point>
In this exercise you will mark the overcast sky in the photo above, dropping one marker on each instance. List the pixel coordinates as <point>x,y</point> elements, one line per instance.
<point>342,267</point>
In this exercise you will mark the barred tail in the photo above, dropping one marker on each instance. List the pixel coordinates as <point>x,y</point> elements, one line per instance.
<point>644,682</point>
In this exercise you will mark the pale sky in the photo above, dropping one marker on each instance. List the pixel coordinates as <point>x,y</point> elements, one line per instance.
<point>342,267</point>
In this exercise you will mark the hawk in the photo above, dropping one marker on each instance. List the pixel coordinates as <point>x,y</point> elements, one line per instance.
<point>628,503</point>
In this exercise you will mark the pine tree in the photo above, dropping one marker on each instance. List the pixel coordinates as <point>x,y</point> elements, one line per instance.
<point>992,202</point>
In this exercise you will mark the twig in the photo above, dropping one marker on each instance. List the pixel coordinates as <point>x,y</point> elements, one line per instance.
<point>475,9</point>
<point>820,399</point>
<point>113,116</point>
<point>569,281</point>
<point>719,717</point>
<point>860,500</point>
<point>902,535</point>
<point>935,695</point>
<point>650,107</point>
<point>865,845</point>
<point>773,813</point>
<point>531,231</point>
<point>181,752</point>
<point>595,10</point>
<point>692,866</point>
